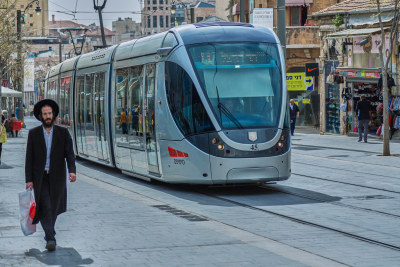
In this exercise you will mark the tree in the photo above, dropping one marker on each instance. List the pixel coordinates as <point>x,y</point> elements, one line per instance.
<point>8,41</point>
<point>385,66</point>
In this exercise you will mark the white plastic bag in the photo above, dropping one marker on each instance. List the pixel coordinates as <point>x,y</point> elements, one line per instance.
<point>26,201</point>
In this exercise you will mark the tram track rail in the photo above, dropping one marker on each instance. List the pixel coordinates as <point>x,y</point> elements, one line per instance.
<point>305,222</point>
<point>341,169</point>
<point>329,202</point>
<point>347,161</point>
<point>347,183</point>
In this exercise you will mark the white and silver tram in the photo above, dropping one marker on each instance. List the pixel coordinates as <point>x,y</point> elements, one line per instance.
<point>203,103</point>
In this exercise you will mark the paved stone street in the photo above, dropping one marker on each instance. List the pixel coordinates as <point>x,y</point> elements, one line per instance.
<point>339,208</point>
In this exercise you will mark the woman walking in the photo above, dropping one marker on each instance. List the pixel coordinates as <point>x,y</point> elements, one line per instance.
<point>3,134</point>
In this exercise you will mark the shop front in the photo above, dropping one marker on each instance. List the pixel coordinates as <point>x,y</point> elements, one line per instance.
<point>301,89</point>
<point>332,97</point>
<point>360,74</point>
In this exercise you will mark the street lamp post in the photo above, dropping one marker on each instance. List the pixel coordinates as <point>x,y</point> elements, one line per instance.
<point>20,20</point>
<point>99,9</point>
<point>173,12</point>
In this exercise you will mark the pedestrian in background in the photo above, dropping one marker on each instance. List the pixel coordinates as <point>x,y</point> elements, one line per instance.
<point>3,134</point>
<point>363,108</point>
<point>294,115</point>
<point>11,125</point>
<point>48,148</point>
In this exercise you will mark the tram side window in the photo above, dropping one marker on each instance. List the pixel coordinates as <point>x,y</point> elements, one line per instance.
<point>135,85</point>
<point>67,88</point>
<point>121,101</point>
<point>62,104</point>
<point>89,102</point>
<point>184,102</point>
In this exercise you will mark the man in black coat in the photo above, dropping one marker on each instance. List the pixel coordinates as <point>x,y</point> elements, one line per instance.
<point>294,115</point>
<point>49,147</point>
<point>363,108</point>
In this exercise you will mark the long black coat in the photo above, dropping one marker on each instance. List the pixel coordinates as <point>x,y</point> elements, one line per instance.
<point>61,152</point>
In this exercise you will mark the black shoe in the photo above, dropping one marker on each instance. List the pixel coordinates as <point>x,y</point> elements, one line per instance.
<point>365,141</point>
<point>359,140</point>
<point>51,245</point>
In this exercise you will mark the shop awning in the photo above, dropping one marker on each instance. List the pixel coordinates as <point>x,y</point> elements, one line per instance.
<point>7,92</point>
<point>355,33</point>
<point>355,74</point>
<point>367,19</point>
<point>298,2</point>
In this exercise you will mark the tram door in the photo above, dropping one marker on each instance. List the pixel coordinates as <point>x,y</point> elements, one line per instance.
<point>97,115</point>
<point>99,90</point>
<point>136,138</point>
<point>79,110</point>
<point>90,135</point>
<point>149,118</point>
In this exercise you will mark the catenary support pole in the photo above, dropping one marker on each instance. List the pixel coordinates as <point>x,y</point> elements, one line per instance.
<point>242,19</point>
<point>281,26</point>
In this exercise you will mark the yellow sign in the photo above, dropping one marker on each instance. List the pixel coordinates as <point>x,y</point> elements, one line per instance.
<point>306,101</point>
<point>297,81</point>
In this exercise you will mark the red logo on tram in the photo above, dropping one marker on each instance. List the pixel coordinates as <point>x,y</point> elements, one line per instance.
<point>173,153</point>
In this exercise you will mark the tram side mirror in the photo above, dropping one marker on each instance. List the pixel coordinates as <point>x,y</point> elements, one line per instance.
<point>164,51</point>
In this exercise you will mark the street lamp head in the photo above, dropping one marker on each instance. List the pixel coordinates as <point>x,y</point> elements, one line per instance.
<point>38,10</point>
<point>173,9</point>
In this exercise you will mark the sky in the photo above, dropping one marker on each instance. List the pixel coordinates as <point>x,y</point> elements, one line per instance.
<point>82,11</point>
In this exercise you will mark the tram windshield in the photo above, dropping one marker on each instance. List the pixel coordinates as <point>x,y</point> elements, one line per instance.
<point>243,82</point>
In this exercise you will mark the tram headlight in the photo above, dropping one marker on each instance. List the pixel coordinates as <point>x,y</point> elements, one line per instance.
<point>280,144</point>
<point>283,137</point>
<point>215,140</point>
<point>221,147</point>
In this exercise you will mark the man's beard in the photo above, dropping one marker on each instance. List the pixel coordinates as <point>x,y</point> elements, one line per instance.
<point>48,122</point>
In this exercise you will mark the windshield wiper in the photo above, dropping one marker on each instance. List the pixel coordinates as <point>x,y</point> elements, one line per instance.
<point>229,114</point>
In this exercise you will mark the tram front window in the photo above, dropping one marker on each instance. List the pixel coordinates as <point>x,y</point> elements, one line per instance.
<point>243,82</point>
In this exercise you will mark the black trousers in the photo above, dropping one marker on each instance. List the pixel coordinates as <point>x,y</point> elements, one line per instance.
<point>46,219</point>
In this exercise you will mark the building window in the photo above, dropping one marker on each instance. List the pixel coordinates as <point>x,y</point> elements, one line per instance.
<point>161,2</point>
<point>154,2</point>
<point>161,21</point>
<point>166,2</point>
<point>30,15</point>
<point>154,21</point>
<point>298,15</point>
<point>22,6</point>
<point>148,2</point>
<point>161,8</point>
<point>295,16</point>
<point>148,22</point>
<point>166,21</point>
<point>31,24</point>
<point>148,8</point>
<point>154,8</point>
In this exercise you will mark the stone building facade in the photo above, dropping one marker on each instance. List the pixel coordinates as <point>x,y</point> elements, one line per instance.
<point>36,24</point>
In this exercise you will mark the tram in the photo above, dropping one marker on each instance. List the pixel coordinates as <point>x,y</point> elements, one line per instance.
<point>203,103</point>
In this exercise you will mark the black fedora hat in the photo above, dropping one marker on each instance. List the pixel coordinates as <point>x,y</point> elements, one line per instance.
<point>37,109</point>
